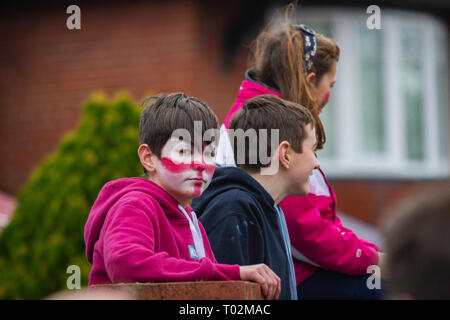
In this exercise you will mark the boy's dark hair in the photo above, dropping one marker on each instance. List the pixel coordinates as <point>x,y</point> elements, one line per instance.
<point>267,112</point>
<point>164,113</point>
<point>418,247</point>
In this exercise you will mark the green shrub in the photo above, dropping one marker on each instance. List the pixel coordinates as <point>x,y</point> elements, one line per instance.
<point>45,235</point>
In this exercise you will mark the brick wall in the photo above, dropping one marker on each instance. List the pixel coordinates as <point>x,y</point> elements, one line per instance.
<point>197,290</point>
<point>47,71</point>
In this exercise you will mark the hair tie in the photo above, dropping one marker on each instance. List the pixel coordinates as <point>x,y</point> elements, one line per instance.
<point>309,45</point>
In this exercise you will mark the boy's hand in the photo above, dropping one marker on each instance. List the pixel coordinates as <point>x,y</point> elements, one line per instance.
<point>262,274</point>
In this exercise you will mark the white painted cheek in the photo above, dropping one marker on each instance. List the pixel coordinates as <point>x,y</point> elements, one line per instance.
<point>207,178</point>
<point>176,181</point>
<point>206,175</point>
<point>172,151</point>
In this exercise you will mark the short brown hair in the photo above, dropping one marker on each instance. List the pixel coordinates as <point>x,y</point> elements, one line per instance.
<point>418,247</point>
<point>164,113</point>
<point>267,112</point>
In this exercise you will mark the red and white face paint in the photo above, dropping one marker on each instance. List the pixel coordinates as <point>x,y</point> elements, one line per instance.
<point>324,101</point>
<point>322,90</point>
<point>183,171</point>
<point>326,98</point>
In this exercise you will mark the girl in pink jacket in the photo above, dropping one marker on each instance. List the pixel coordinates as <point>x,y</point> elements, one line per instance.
<point>330,261</point>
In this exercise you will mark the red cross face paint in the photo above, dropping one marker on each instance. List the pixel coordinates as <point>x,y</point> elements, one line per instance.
<point>322,90</point>
<point>326,98</point>
<point>184,172</point>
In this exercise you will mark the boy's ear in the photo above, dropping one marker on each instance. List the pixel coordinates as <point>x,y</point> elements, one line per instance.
<point>284,154</point>
<point>146,157</point>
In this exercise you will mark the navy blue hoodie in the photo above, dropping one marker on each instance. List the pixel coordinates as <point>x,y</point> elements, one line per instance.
<point>242,225</point>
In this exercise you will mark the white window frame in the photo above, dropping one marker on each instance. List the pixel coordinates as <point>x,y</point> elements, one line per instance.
<point>349,162</point>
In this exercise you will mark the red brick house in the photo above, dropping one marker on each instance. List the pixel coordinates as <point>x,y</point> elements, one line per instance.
<point>199,47</point>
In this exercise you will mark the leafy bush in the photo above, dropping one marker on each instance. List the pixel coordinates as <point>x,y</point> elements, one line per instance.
<point>45,235</point>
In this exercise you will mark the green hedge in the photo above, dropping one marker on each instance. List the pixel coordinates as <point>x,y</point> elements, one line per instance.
<point>45,235</point>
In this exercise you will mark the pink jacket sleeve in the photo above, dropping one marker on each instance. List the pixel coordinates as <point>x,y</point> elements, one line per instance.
<point>321,241</point>
<point>339,224</point>
<point>129,254</point>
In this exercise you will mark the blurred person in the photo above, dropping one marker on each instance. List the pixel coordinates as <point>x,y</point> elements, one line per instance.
<point>295,63</point>
<point>240,208</point>
<point>418,245</point>
<point>143,229</point>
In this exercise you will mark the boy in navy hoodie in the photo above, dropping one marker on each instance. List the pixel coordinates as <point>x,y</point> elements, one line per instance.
<point>274,144</point>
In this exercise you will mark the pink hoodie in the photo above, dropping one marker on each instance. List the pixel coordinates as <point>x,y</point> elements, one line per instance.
<point>318,238</point>
<point>135,232</point>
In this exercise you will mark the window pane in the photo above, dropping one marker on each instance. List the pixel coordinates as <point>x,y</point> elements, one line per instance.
<point>328,118</point>
<point>411,84</point>
<point>442,82</point>
<point>369,84</point>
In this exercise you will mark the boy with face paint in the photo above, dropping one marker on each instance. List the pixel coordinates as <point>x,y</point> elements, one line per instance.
<point>143,229</point>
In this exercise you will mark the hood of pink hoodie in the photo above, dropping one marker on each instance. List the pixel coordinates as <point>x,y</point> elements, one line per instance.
<point>247,90</point>
<point>111,193</point>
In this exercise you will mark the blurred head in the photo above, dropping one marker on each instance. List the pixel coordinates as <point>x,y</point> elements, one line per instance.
<point>178,135</point>
<point>418,248</point>
<point>289,140</point>
<point>277,59</point>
